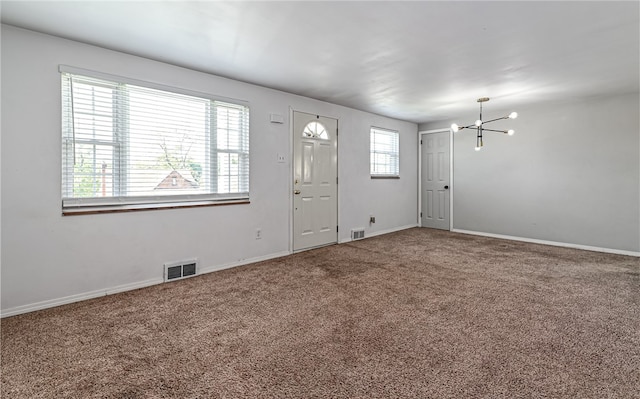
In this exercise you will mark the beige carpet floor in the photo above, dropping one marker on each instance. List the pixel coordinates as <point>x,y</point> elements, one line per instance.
<point>414,314</point>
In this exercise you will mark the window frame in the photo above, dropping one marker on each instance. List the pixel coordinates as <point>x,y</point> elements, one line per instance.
<point>373,151</point>
<point>120,201</point>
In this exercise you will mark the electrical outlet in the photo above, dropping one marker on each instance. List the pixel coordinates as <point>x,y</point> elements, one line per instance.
<point>281,158</point>
<point>258,234</point>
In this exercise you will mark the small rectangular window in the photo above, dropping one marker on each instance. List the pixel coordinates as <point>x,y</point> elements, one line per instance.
<point>127,144</point>
<point>385,153</point>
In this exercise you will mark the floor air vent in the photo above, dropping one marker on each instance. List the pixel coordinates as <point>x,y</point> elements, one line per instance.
<point>357,234</point>
<point>178,270</point>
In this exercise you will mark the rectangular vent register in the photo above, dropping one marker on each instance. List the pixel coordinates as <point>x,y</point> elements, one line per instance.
<point>357,234</point>
<point>179,270</point>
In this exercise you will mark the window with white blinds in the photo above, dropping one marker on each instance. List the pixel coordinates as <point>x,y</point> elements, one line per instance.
<point>129,144</point>
<point>385,153</point>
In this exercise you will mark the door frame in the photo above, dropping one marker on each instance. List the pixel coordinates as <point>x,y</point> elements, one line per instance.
<point>451,182</point>
<point>292,172</point>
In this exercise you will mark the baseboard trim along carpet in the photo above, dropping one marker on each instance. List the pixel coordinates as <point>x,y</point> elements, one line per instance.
<point>125,287</point>
<point>147,283</point>
<point>552,243</point>
<point>369,234</point>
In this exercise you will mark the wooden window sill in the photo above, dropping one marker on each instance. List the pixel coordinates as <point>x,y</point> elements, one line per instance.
<point>147,207</point>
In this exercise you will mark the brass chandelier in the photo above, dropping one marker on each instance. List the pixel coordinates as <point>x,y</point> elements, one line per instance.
<point>479,125</point>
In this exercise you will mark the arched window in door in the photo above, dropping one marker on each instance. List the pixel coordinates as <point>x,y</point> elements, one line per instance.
<point>315,130</point>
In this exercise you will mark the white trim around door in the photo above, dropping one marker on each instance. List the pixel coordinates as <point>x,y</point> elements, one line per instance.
<point>314,206</point>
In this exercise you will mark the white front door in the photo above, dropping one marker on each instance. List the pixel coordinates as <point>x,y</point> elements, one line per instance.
<point>315,184</point>
<point>435,174</point>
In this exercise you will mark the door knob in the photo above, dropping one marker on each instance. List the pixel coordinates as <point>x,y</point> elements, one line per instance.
<point>296,192</point>
<point>446,187</point>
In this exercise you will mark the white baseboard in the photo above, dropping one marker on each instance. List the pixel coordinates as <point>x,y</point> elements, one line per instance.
<point>553,243</point>
<point>78,297</point>
<point>381,232</point>
<point>142,284</point>
<point>242,262</point>
<point>125,287</point>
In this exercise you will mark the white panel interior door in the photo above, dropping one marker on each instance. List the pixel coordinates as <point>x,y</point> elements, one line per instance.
<point>435,180</point>
<point>315,173</point>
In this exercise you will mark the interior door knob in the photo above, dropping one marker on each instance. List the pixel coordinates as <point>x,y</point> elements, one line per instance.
<point>446,187</point>
<point>296,192</point>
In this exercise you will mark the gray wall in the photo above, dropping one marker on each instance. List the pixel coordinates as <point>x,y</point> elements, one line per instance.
<point>570,174</point>
<point>48,259</point>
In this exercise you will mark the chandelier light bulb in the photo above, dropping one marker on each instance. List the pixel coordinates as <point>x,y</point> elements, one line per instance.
<point>455,127</point>
<point>510,132</point>
<point>478,123</point>
<point>513,115</point>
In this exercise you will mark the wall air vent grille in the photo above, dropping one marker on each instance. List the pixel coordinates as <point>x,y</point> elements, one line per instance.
<point>179,270</point>
<point>189,269</point>
<point>357,234</point>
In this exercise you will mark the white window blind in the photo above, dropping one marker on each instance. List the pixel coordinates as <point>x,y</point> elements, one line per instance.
<point>385,156</point>
<point>127,144</point>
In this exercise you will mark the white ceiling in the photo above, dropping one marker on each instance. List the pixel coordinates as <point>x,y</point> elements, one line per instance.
<point>417,61</point>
